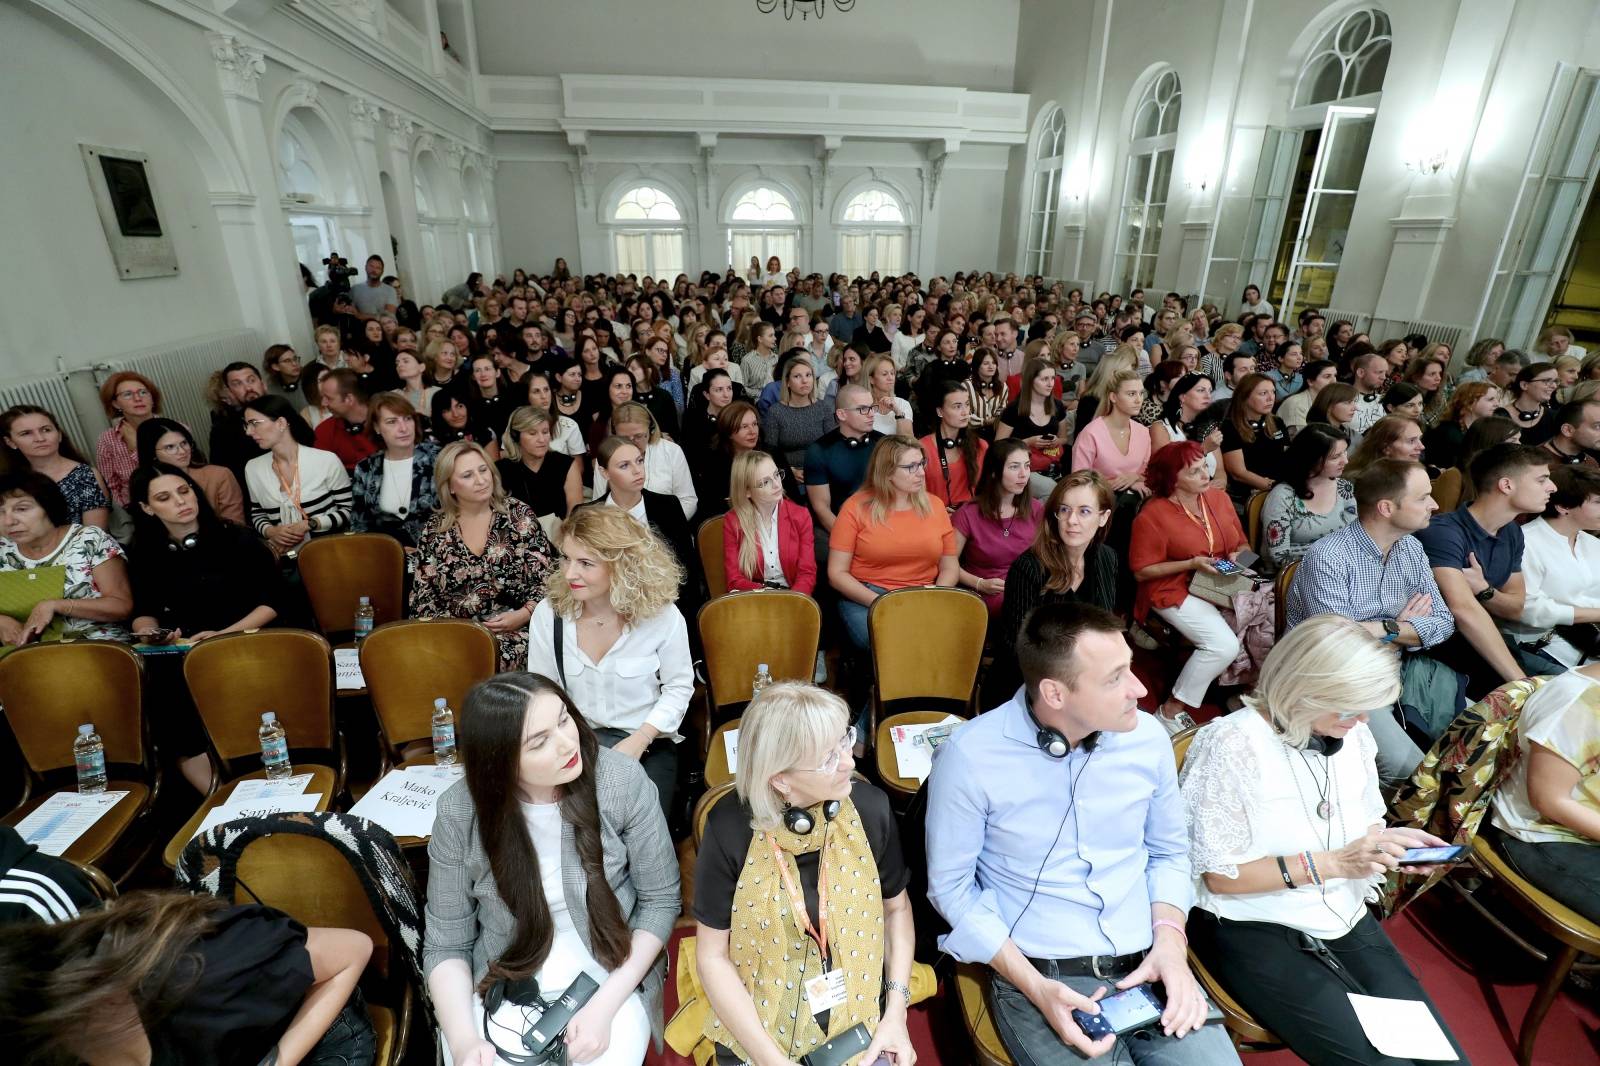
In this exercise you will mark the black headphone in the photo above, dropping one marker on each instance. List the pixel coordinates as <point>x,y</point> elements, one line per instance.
<point>949,442</point>
<point>798,820</point>
<point>524,992</point>
<point>1052,741</point>
<point>187,543</point>
<point>852,442</point>
<point>1324,746</point>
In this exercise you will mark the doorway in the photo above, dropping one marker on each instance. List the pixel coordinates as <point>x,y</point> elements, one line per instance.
<point>1577,300</point>
<point>391,211</point>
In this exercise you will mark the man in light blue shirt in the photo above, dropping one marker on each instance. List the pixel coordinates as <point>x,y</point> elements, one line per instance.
<point>1058,852</point>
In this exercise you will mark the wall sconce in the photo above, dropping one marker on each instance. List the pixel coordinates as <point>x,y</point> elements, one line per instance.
<point>1428,163</point>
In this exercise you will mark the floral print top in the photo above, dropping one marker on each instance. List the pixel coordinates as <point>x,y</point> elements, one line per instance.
<point>80,551</point>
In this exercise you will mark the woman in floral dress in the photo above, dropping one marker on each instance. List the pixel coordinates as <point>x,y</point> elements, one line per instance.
<point>483,556</point>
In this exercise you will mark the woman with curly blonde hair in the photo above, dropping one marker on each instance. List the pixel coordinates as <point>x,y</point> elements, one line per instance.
<point>611,635</point>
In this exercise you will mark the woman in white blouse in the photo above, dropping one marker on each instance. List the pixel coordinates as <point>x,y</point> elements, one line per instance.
<point>565,436</point>
<point>1561,567</point>
<point>1288,843</point>
<point>610,633</point>
<point>666,470</point>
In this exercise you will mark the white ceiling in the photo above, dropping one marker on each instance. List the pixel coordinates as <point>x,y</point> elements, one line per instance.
<point>917,42</point>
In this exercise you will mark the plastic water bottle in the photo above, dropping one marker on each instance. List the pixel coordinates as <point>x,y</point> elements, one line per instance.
<point>444,733</point>
<point>762,681</point>
<point>89,752</point>
<point>364,619</point>
<point>274,747</point>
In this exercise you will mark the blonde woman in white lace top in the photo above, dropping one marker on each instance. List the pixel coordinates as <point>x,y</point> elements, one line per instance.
<point>1288,842</point>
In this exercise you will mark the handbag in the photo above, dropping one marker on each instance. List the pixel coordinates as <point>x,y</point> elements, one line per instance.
<point>23,590</point>
<point>1220,589</point>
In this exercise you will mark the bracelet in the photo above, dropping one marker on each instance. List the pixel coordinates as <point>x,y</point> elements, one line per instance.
<point>1306,866</point>
<point>896,986</point>
<point>1316,878</point>
<point>1283,871</point>
<point>1170,924</point>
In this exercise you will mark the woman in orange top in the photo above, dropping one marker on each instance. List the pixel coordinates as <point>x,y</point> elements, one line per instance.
<point>890,535</point>
<point>1185,527</point>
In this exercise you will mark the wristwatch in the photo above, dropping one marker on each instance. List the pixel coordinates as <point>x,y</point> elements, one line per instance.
<point>1486,595</point>
<point>896,986</point>
<point>1391,630</point>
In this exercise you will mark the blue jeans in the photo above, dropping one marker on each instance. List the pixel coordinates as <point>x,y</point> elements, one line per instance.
<point>1032,1042</point>
<point>1568,871</point>
<point>349,1041</point>
<point>854,617</point>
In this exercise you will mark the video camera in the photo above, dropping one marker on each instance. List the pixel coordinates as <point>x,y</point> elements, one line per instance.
<point>339,271</point>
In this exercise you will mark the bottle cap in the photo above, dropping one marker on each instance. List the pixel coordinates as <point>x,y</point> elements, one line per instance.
<point>439,703</point>
<point>365,600</point>
<point>85,729</point>
<point>761,669</point>
<point>269,716</point>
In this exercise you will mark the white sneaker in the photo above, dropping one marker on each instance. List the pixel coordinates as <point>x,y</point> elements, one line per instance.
<point>1143,639</point>
<point>1177,723</point>
<point>819,676</point>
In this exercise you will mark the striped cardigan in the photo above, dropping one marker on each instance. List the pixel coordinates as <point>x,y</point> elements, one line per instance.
<point>324,493</point>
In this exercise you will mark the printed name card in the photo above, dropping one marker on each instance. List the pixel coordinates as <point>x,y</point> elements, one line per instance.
<point>404,801</point>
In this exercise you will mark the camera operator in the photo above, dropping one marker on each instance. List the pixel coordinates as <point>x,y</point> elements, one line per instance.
<point>321,299</point>
<point>374,297</point>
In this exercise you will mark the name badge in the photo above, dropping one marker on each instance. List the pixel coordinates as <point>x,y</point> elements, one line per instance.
<point>825,991</point>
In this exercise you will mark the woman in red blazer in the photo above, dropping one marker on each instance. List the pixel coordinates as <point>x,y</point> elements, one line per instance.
<point>755,489</point>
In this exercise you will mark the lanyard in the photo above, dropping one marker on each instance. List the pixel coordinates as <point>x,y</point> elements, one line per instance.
<point>1211,544</point>
<point>797,902</point>
<point>291,489</point>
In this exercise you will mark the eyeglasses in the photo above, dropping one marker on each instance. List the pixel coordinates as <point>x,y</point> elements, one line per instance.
<point>913,467</point>
<point>861,409</point>
<point>256,423</point>
<point>771,481</point>
<point>1351,716</point>
<point>174,449</point>
<point>134,394</point>
<point>830,763</point>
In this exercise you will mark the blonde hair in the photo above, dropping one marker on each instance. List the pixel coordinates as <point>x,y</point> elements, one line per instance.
<point>645,575</point>
<point>877,484</point>
<point>1227,329</point>
<point>330,331</point>
<point>444,468</point>
<point>1119,379</point>
<point>635,413</point>
<point>788,367</point>
<point>741,480</point>
<point>781,730</point>
<point>1325,664</point>
<point>524,419</point>
<point>869,366</point>
<point>1125,357</point>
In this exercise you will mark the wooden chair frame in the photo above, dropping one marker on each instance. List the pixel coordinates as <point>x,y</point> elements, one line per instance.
<point>708,542</point>
<point>331,558</point>
<point>892,601</point>
<point>388,706</point>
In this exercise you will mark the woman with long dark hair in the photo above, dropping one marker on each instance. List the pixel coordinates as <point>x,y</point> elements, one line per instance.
<point>550,860</point>
<point>954,449</point>
<point>1312,500</point>
<point>164,440</point>
<point>34,441</point>
<point>997,524</point>
<point>168,977</point>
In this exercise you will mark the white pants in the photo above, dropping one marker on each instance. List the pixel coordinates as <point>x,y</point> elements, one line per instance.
<point>1215,646</point>
<point>1040,487</point>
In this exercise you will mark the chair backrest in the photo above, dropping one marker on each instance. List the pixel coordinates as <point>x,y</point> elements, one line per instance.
<point>742,630</point>
<point>926,643</point>
<point>1181,742</point>
<point>1252,520</point>
<point>702,809</point>
<point>408,665</point>
<point>341,569</point>
<point>308,879</point>
<point>235,678</point>
<point>709,541</point>
<point>1280,598</point>
<point>49,690</point>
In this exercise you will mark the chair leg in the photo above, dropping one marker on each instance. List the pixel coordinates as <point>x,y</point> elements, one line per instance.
<point>1560,963</point>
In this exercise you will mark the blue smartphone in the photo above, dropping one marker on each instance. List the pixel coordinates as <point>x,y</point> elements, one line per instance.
<point>1433,856</point>
<point>1121,1013</point>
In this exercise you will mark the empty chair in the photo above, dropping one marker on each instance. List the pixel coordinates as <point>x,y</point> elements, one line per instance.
<point>48,691</point>
<point>926,645</point>
<point>408,665</point>
<point>341,569</point>
<point>708,541</point>
<point>742,630</point>
<point>237,677</point>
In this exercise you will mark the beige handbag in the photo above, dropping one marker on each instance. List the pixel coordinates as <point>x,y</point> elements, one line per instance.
<point>1220,589</point>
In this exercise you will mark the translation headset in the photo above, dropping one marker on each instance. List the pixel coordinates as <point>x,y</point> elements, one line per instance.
<point>1052,741</point>
<point>798,820</point>
<point>186,543</point>
<point>949,442</point>
<point>523,992</point>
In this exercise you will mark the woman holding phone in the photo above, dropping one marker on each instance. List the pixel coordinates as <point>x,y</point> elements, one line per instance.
<point>1288,842</point>
<point>1039,419</point>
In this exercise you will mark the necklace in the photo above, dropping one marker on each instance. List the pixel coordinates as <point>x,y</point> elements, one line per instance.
<point>1324,787</point>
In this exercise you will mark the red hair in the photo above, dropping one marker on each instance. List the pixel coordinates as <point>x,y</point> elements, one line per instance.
<point>1161,475</point>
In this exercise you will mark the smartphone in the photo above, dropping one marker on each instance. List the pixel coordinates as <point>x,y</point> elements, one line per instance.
<point>1433,856</point>
<point>841,1049</point>
<point>1121,1013</point>
<point>1227,567</point>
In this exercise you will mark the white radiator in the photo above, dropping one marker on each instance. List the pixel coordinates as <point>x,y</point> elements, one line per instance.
<point>180,370</point>
<point>1356,319</point>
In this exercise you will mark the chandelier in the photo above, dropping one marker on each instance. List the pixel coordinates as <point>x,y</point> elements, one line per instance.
<point>805,7</point>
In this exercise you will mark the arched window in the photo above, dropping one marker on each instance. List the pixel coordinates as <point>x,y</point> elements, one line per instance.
<point>763,223</point>
<point>301,184</point>
<point>479,225</point>
<point>874,233</point>
<point>648,235</point>
<point>297,173</point>
<point>1148,177</point>
<point>1046,198</point>
<point>1350,60</point>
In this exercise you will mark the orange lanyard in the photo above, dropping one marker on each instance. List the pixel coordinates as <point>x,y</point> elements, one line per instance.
<point>797,902</point>
<point>291,490</point>
<point>1211,543</point>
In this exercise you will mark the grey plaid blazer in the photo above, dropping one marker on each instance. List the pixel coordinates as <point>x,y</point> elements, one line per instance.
<point>467,919</point>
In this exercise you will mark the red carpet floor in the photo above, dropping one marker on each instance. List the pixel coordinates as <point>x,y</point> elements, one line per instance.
<point>1480,981</point>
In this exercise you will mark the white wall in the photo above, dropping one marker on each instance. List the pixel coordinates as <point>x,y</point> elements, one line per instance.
<point>943,42</point>
<point>1471,75</point>
<point>60,295</point>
